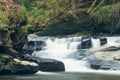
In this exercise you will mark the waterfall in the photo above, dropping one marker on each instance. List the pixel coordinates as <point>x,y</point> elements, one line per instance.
<point>68,50</point>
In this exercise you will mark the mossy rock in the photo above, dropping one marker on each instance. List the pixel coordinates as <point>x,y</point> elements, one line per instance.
<point>10,65</point>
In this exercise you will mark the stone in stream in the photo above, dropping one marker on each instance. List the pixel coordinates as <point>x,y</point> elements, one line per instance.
<point>49,65</point>
<point>85,43</point>
<point>45,64</point>
<point>31,46</point>
<point>94,62</point>
<point>82,55</point>
<point>105,65</point>
<point>103,41</point>
<point>10,65</point>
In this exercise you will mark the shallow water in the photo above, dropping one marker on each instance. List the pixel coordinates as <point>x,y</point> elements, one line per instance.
<point>64,76</point>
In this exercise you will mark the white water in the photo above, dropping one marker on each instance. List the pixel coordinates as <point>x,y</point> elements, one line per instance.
<point>63,49</point>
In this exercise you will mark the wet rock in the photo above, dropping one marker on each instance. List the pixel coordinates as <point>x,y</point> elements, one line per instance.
<point>110,65</point>
<point>45,64</point>
<point>88,56</point>
<point>51,65</point>
<point>31,46</point>
<point>85,55</point>
<point>105,65</point>
<point>103,41</point>
<point>95,64</point>
<point>28,48</point>
<point>86,43</point>
<point>10,65</point>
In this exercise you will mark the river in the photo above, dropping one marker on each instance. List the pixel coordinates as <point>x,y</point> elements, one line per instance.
<point>64,76</point>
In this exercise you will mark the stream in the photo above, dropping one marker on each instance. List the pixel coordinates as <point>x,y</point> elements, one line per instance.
<point>68,50</point>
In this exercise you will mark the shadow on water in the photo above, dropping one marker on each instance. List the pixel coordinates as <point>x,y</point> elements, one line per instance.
<point>63,76</point>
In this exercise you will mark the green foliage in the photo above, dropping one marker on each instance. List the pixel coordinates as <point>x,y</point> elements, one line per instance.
<point>42,11</point>
<point>26,3</point>
<point>22,13</point>
<point>103,11</point>
<point>106,12</point>
<point>30,29</point>
<point>106,18</point>
<point>3,18</point>
<point>1,1</point>
<point>66,27</point>
<point>37,15</point>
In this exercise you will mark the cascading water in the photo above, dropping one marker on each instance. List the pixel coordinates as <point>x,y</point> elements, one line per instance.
<point>68,51</point>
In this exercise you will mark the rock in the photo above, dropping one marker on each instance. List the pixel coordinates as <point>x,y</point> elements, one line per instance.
<point>103,41</point>
<point>105,65</point>
<point>86,43</point>
<point>82,55</point>
<point>51,65</point>
<point>111,48</point>
<point>95,64</point>
<point>25,67</point>
<point>31,46</point>
<point>110,65</point>
<point>45,64</point>
<point>28,48</point>
<point>10,65</point>
<point>117,58</point>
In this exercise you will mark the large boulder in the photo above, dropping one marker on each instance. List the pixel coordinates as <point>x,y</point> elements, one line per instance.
<point>45,64</point>
<point>31,46</point>
<point>10,65</point>
<point>51,65</point>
